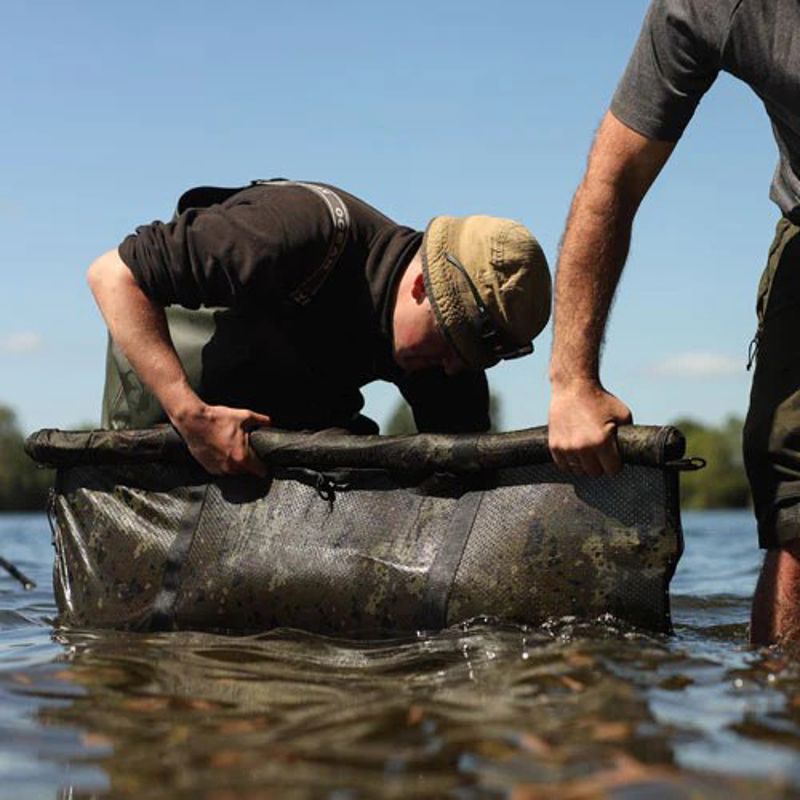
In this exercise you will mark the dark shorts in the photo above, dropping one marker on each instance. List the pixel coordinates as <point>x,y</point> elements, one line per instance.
<point>772,428</point>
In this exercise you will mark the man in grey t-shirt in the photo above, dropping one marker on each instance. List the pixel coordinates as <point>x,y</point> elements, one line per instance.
<point>683,46</point>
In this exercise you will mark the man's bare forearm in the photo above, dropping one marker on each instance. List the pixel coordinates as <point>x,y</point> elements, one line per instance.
<point>139,328</point>
<point>622,166</point>
<point>592,256</point>
<point>583,416</point>
<point>217,436</point>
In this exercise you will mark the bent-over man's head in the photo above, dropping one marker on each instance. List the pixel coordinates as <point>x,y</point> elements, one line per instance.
<point>478,291</point>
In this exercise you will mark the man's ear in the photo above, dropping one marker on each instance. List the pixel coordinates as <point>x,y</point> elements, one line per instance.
<point>418,288</point>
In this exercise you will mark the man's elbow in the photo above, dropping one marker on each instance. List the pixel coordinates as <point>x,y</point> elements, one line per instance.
<point>106,270</point>
<point>96,273</point>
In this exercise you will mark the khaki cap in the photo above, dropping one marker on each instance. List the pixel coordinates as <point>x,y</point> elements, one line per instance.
<point>501,262</point>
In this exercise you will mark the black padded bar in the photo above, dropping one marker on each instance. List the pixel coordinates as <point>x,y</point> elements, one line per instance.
<point>638,444</point>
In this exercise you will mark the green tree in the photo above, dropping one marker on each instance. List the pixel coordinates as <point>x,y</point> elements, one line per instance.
<point>401,420</point>
<point>723,483</point>
<point>23,485</point>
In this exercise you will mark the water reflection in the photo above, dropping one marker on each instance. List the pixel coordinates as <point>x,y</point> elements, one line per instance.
<point>484,711</point>
<point>479,711</point>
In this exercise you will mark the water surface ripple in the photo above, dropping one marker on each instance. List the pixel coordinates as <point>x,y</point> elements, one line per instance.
<point>483,710</point>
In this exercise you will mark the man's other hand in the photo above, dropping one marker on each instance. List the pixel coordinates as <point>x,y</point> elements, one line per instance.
<point>218,437</point>
<point>582,429</point>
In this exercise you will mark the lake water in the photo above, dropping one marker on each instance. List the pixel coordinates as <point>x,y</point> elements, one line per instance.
<point>480,711</point>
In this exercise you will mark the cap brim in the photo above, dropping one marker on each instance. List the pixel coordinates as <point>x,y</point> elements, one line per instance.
<point>450,296</point>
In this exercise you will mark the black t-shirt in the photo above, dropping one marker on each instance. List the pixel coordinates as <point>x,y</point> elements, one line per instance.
<point>303,363</point>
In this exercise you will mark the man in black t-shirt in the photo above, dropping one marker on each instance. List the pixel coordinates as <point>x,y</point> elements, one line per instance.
<point>300,295</point>
<point>683,46</point>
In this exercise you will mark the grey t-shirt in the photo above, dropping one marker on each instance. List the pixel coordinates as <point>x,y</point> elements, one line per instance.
<point>683,46</point>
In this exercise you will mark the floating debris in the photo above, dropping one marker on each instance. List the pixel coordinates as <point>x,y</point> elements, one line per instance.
<point>26,582</point>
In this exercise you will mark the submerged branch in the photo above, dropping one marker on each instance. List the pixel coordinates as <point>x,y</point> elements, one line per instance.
<point>26,582</point>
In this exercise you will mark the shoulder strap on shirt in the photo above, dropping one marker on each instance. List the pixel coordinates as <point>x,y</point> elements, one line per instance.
<point>340,217</point>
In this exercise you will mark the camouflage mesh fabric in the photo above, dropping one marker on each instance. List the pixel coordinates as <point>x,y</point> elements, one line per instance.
<point>359,536</point>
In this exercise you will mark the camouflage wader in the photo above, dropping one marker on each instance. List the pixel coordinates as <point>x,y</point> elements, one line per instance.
<point>772,429</point>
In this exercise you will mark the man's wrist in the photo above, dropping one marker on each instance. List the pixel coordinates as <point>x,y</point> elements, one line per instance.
<point>181,404</point>
<point>570,381</point>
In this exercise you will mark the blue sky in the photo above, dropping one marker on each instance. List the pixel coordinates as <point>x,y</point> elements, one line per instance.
<point>111,110</point>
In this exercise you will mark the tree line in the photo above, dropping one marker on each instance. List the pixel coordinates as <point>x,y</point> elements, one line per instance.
<point>24,485</point>
<point>722,483</point>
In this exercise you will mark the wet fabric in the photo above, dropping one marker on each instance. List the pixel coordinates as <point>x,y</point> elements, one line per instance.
<point>772,428</point>
<point>359,535</point>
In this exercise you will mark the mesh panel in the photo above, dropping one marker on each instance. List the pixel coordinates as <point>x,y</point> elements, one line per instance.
<point>362,553</point>
<point>544,546</point>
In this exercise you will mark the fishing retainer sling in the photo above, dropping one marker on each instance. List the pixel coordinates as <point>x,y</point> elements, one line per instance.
<point>359,535</point>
